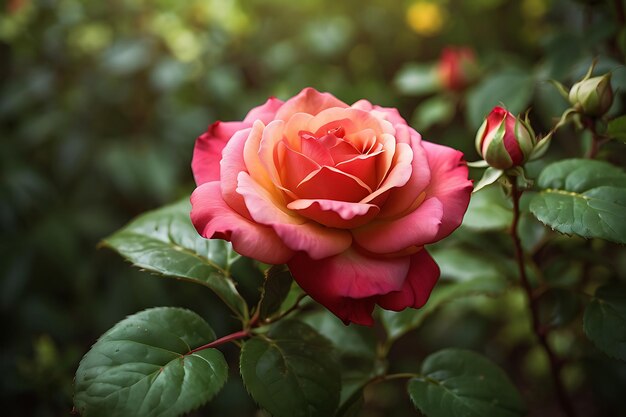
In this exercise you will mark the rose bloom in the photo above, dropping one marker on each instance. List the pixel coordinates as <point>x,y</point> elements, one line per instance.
<point>347,196</point>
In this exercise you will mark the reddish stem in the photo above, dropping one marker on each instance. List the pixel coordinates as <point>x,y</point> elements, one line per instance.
<point>233,336</point>
<point>540,331</point>
<point>254,322</point>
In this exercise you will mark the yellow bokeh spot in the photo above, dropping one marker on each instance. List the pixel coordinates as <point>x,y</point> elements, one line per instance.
<point>90,37</point>
<point>425,18</point>
<point>534,9</point>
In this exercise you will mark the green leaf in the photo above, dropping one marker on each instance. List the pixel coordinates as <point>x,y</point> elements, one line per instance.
<point>292,371</point>
<point>605,320</point>
<point>294,296</point>
<point>457,382</point>
<point>414,79</point>
<point>473,273</point>
<point>142,367</point>
<point>512,87</point>
<point>582,197</point>
<point>488,210</point>
<point>617,128</point>
<point>435,110</point>
<point>164,241</point>
<point>358,341</point>
<point>399,323</point>
<point>275,289</point>
<point>356,346</point>
<point>462,264</point>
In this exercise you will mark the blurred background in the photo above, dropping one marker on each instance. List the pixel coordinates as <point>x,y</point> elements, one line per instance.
<point>101,102</point>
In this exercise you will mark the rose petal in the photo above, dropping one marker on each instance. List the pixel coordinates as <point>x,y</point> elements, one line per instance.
<point>296,124</point>
<point>308,101</point>
<point>265,112</point>
<point>331,120</point>
<point>363,167</point>
<point>351,274</point>
<point>331,184</point>
<point>415,229</point>
<point>231,165</point>
<point>293,166</point>
<point>494,118</point>
<point>399,175</point>
<point>510,141</point>
<point>418,285</point>
<point>347,284</point>
<point>345,150</point>
<point>315,150</point>
<point>449,183</point>
<point>352,120</point>
<point>207,151</point>
<point>296,232</point>
<point>266,149</point>
<point>386,113</point>
<point>331,213</point>
<point>390,146</point>
<point>213,218</point>
<point>402,197</point>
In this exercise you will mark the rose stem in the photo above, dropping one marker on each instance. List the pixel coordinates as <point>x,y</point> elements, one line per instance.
<point>254,322</point>
<point>228,338</point>
<point>596,141</point>
<point>539,330</point>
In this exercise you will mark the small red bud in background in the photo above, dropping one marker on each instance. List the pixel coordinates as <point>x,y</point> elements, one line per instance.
<point>457,68</point>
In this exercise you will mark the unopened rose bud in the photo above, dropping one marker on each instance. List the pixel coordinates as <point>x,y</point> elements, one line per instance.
<point>457,68</point>
<point>592,96</point>
<point>505,141</point>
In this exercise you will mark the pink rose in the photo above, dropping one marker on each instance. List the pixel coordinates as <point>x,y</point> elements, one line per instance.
<point>347,196</point>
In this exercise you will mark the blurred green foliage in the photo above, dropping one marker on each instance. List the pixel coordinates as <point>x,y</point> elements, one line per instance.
<point>100,104</point>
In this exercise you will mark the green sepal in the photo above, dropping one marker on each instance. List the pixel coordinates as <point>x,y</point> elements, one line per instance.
<point>490,176</point>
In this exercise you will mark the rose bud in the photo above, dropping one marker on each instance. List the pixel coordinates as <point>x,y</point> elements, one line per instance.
<point>457,68</point>
<point>592,96</point>
<point>504,141</point>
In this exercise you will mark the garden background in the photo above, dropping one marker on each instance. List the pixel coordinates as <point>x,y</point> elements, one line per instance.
<point>100,105</point>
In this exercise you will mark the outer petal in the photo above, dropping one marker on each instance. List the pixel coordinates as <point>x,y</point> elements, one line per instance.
<point>296,232</point>
<point>332,213</point>
<point>265,112</point>
<point>417,228</point>
<point>387,113</point>
<point>401,198</point>
<point>308,101</point>
<point>419,283</point>
<point>398,176</point>
<point>347,284</point>
<point>231,165</point>
<point>207,152</point>
<point>352,120</point>
<point>449,184</point>
<point>213,218</point>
